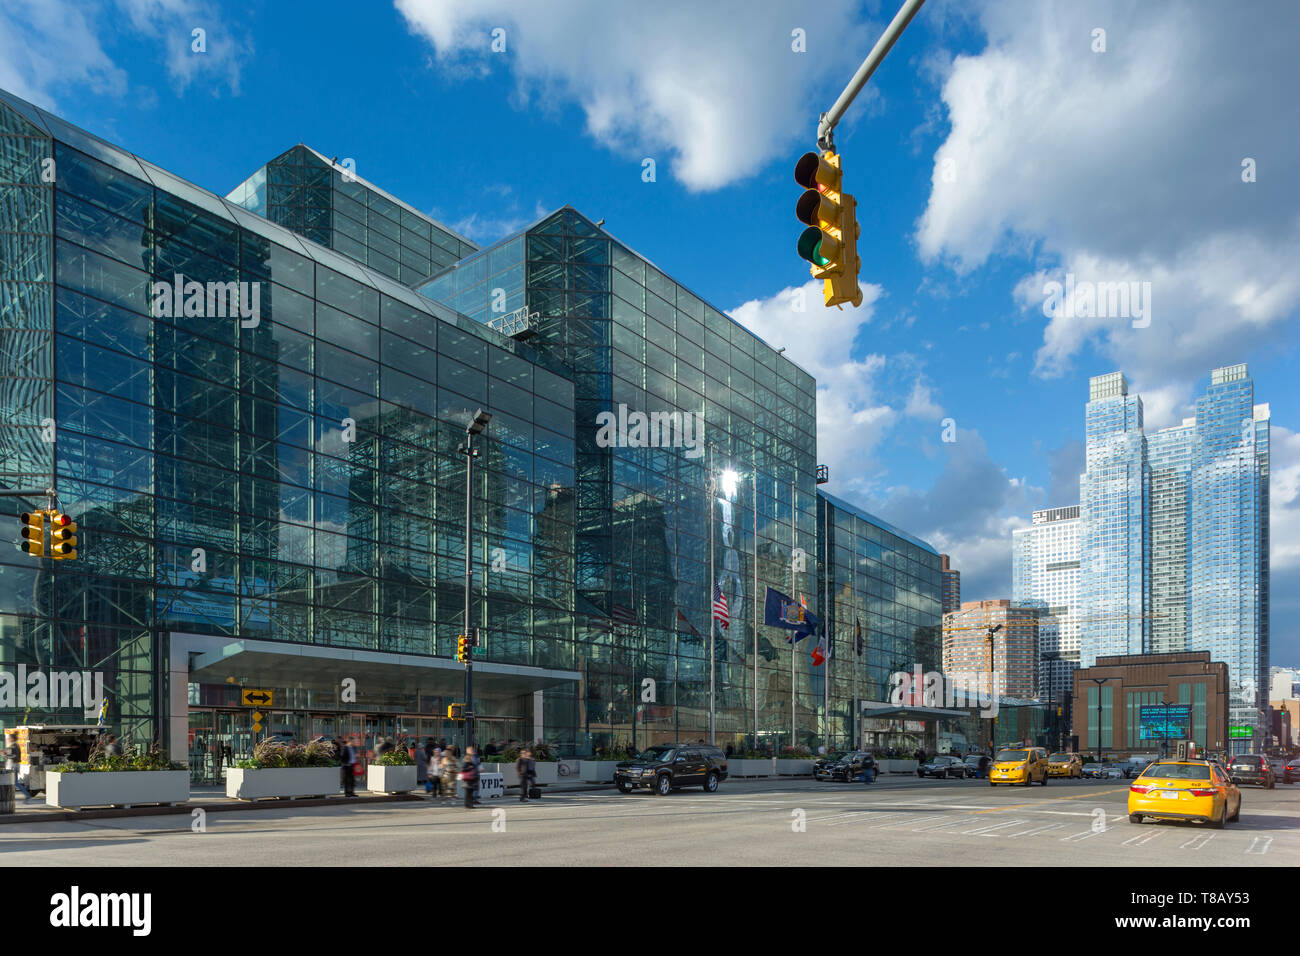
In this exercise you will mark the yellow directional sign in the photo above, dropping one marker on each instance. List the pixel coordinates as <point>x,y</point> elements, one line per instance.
<point>257,698</point>
<point>256,728</point>
<point>257,716</point>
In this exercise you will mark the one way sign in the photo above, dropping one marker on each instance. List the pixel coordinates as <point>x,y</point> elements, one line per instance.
<point>257,698</point>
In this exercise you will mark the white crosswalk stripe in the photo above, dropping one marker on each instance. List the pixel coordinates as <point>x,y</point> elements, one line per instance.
<point>1079,837</point>
<point>1034,831</point>
<point>1259,845</point>
<point>991,829</point>
<point>1143,838</point>
<point>1198,841</point>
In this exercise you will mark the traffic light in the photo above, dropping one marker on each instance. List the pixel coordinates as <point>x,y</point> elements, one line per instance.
<point>455,711</point>
<point>63,537</point>
<point>32,532</point>
<point>462,649</point>
<point>830,243</point>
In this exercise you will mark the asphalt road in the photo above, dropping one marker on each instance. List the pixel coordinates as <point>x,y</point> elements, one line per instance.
<point>895,822</point>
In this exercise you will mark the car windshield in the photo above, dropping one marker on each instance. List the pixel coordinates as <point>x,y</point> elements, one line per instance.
<point>1178,771</point>
<point>1239,761</point>
<point>974,758</point>
<point>656,754</point>
<point>1059,758</point>
<point>1005,755</point>
<point>838,756</point>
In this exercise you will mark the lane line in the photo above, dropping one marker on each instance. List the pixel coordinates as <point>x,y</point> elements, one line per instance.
<point>1204,838</point>
<point>1259,845</point>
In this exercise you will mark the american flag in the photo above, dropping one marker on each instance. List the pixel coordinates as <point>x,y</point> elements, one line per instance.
<point>624,614</point>
<point>720,607</point>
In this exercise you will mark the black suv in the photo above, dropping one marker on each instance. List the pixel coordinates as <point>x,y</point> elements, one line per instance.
<point>665,768</point>
<point>1252,768</point>
<point>847,766</point>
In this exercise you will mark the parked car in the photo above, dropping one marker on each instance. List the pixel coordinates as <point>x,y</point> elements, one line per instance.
<point>848,768</point>
<point>1291,770</point>
<point>822,764</point>
<point>1064,765</point>
<point>977,765</point>
<point>1252,769</point>
<point>943,767</point>
<point>1133,769</point>
<point>1111,771</point>
<point>666,768</point>
<point>1021,765</point>
<point>1196,790</point>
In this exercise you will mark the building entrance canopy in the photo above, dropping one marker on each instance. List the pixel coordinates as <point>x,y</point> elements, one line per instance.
<point>374,672</point>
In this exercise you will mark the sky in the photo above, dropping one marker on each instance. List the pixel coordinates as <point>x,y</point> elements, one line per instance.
<point>1001,147</point>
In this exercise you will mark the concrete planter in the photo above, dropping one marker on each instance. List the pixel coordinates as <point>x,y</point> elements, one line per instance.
<point>794,768</point>
<point>752,768</point>
<point>284,782</point>
<point>546,772</point>
<point>598,771</point>
<point>898,766</point>
<point>124,788</point>
<point>382,779</point>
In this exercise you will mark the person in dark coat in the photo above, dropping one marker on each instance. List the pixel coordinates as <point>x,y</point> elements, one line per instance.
<point>526,768</point>
<point>469,777</point>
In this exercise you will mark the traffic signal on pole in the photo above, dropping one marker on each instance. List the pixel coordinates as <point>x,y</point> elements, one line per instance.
<point>462,649</point>
<point>455,711</point>
<point>63,537</point>
<point>32,532</point>
<point>830,241</point>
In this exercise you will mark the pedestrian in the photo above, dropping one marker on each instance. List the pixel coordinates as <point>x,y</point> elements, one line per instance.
<point>868,769</point>
<point>112,748</point>
<point>347,757</point>
<point>13,757</point>
<point>469,777</point>
<point>731,751</point>
<point>450,767</point>
<point>527,771</point>
<point>385,746</point>
<point>478,764</point>
<point>422,768</point>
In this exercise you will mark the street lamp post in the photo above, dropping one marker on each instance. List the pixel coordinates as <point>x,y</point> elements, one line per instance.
<point>466,448</point>
<point>1099,681</point>
<point>993,688</point>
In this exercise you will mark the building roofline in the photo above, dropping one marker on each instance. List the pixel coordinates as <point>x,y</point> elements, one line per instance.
<point>862,513</point>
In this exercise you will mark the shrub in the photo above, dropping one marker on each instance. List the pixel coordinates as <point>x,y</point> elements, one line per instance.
<point>275,754</point>
<point>131,758</point>
<point>395,758</point>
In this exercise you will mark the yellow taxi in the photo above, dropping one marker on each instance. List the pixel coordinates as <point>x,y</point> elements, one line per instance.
<point>1197,790</point>
<point>1065,765</point>
<point>1019,765</point>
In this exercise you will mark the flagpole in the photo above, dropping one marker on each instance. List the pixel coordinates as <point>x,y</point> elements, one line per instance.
<point>713,504</point>
<point>826,625</point>
<point>855,730</point>
<point>754,597</point>
<point>793,644</point>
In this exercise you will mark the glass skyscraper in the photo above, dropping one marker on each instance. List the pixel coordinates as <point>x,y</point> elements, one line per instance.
<point>1045,575</point>
<point>1198,518</point>
<point>252,405</point>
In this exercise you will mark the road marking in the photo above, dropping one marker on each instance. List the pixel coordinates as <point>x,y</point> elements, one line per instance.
<point>863,818</point>
<point>990,830</point>
<point>1142,838</point>
<point>1036,830</point>
<point>1204,838</point>
<point>1259,845</point>
<point>956,821</point>
<point>1078,837</point>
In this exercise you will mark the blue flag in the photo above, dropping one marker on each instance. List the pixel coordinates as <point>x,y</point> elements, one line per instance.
<point>785,612</point>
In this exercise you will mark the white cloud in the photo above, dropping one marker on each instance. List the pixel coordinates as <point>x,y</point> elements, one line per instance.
<point>50,45</point>
<point>486,230</point>
<point>1127,165</point>
<point>715,86</point>
<point>851,419</point>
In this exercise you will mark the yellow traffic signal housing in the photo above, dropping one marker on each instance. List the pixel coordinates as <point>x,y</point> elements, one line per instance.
<point>830,243</point>
<point>32,532</point>
<point>455,711</point>
<point>63,537</point>
<point>462,649</point>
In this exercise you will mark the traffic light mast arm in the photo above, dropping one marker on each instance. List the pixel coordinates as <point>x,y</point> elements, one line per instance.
<point>826,127</point>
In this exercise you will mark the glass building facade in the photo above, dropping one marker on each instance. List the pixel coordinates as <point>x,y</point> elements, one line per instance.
<point>254,421</point>
<point>1198,518</point>
<point>328,204</point>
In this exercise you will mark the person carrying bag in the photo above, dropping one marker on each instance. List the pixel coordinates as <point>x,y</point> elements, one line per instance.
<point>469,779</point>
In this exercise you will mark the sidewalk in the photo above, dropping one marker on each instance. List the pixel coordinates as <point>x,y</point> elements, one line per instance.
<point>213,799</point>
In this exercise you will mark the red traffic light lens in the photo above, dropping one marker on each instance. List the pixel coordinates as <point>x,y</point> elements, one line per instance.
<point>60,520</point>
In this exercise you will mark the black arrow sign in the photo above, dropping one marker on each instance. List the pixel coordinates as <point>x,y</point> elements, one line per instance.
<point>258,697</point>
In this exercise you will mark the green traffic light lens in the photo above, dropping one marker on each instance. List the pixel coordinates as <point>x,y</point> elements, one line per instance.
<point>810,244</point>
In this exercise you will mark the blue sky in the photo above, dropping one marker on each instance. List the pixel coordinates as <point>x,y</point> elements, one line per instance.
<point>996,150</point>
